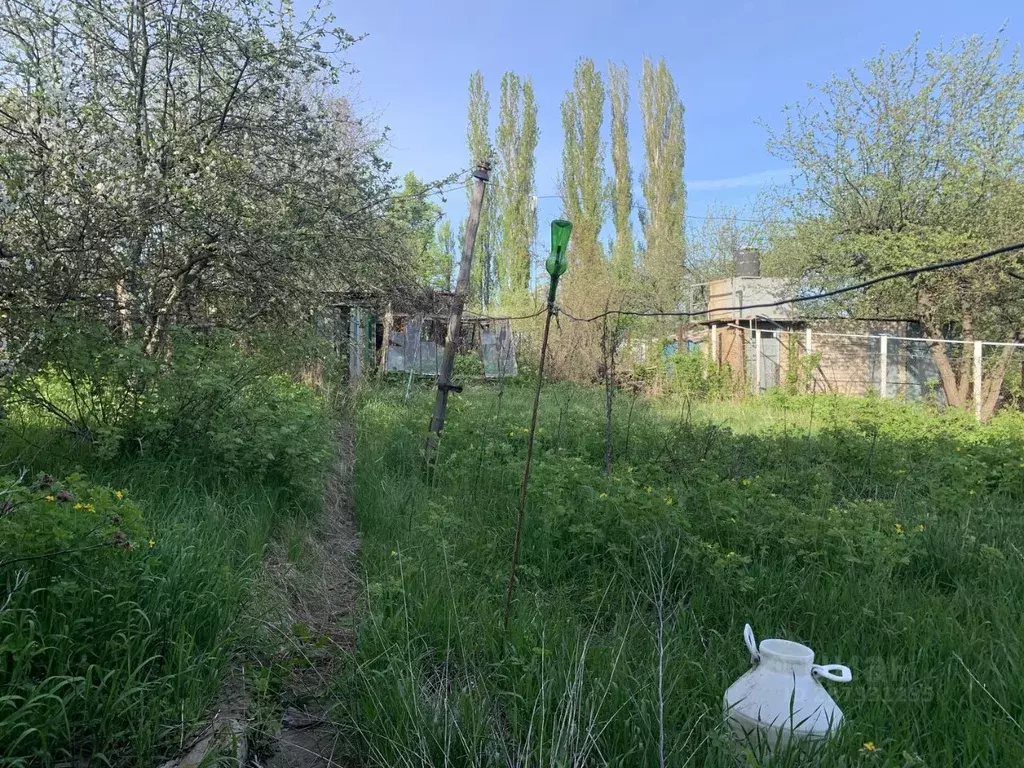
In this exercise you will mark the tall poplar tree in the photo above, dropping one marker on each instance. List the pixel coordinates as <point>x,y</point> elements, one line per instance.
<point>662,183</point>
<point>517,143</point>
<point>447,246</point>
<point>624,248</point>
<point>583,176</point>
<point>480,151</point>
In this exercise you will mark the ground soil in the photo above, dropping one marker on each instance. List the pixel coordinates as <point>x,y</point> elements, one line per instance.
<point>320,595</point>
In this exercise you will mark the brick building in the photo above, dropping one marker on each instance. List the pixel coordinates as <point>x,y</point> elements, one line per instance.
<point>766,343</point>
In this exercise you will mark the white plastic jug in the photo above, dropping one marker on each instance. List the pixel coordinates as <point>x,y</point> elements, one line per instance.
<point>780,697</point>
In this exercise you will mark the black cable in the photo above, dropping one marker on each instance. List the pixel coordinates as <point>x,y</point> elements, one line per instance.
<point>477,316</point>
<point>432,188</point>
<point>814,297</point>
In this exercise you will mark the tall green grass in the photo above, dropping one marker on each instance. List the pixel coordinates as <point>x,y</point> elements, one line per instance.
<point>885,536</point>
<point>116,666</point>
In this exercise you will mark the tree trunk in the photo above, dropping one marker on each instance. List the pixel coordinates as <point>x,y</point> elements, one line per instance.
<point>992,383</point>
<point>955,384</point>
<point>124,323</point>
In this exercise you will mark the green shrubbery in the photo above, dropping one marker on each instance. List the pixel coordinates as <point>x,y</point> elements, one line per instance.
<point>212,398</point>
<point>691,375</point>
<point>141,505</point>
<point>46,518</point>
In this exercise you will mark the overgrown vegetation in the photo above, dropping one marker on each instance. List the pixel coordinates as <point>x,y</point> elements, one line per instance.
<point>128,549</point>
<point>885,536</point>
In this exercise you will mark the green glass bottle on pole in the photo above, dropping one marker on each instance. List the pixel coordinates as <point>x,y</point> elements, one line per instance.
<point>557,264</point>
<point>558,261</point>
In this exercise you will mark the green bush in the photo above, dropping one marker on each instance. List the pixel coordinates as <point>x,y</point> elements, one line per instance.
<point>218,404</point>
<point>467,365</point>
<point>236,406</point>
<point>691,375</point>
<point>73,518</point>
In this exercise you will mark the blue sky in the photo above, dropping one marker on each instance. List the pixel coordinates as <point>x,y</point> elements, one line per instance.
<point>735,63</point>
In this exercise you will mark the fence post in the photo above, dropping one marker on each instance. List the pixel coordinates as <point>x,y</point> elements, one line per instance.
<point>977,380</point>
<point>807,341</point>
<point>757,361</point>
<point>883,384</point>
<point>714,345</point>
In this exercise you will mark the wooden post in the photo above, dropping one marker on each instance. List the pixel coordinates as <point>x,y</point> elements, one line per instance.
<point>808,349</point>
<point>883,382</point>
<point>385,346</point>
<point>757,361</point>
<point>977,380</point>
<point>714,345</point>
<point>444,377</point>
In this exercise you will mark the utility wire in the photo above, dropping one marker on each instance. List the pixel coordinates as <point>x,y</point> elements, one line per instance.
<point>433,188</point>
<point>911,272</point>
<point>478,316</point>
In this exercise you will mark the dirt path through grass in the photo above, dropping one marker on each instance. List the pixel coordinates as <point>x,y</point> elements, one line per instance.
<point>320,596</point>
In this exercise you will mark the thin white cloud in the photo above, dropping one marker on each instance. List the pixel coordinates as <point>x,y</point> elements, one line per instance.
<point>738,182</point>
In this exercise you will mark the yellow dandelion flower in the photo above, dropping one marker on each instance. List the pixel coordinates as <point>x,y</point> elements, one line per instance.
<point>899,528</point>
<point>152,543</point>
<point>119,495</point>
<point>869,746</point>
<point>79,506</point>
<point>51,498</point>
<point>920,528</point>
<point>668,501</point>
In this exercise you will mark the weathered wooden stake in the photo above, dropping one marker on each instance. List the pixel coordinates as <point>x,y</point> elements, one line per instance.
<point>444,378</point>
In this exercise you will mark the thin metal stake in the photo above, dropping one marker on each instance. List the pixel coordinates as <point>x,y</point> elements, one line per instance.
<point>529,460</point>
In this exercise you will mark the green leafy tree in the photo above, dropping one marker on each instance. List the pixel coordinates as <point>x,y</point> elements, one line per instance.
<point>447,245</point>
<point>917,157</point>
<point>662,183</point>
<point>583,179</point>
<point>624,247</point>
<point>517,144</point>
<point>417,218</point>
<point>478,142</point>
<point>178,163</point>
<point>712,242</point>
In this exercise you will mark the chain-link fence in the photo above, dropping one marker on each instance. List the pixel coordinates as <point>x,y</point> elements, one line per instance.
<point>985,375</point>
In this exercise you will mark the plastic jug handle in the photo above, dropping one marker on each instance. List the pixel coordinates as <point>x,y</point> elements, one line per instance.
<point>837,673</point>
<point>751,641</point>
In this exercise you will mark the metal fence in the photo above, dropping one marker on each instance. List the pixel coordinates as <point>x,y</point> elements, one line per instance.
<point>986,374</point>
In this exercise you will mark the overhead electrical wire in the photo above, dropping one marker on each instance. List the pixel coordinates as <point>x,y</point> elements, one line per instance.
<point>911,272</point>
